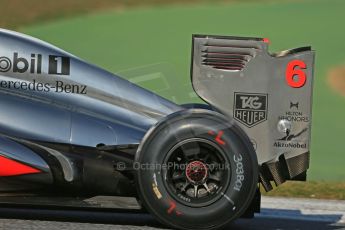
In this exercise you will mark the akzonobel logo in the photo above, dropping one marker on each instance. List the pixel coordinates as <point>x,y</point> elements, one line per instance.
<point>57,65</point>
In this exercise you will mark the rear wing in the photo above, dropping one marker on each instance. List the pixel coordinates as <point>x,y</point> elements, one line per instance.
<point>268,95</point>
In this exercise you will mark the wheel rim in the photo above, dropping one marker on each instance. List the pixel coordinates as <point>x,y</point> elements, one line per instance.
<point>197,172</point>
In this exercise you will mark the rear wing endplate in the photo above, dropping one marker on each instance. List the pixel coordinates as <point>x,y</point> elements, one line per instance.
<point>268,95</point>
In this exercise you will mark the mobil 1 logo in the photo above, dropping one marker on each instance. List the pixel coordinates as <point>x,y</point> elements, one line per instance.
<point>17,63</point>
<point>250,108</point>
<point>59,65</point>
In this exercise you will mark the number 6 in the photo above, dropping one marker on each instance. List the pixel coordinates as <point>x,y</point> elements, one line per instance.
<point>292,70</point>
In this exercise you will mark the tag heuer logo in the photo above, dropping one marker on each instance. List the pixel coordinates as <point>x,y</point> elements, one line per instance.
<point>250,108</point>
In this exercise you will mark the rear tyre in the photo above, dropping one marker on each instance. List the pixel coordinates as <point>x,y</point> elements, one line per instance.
<point>196,170</point>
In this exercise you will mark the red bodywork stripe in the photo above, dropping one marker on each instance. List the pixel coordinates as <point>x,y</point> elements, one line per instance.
<point>10,167</point>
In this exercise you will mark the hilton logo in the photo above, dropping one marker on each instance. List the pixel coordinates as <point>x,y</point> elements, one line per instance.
<point>250,108</point>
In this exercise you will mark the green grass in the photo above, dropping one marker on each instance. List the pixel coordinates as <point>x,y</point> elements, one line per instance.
<point>16,13</point>
<point>119,40</point>
<point>315,190</point>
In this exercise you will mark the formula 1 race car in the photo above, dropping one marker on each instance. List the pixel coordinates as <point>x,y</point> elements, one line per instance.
<point>69,128</point>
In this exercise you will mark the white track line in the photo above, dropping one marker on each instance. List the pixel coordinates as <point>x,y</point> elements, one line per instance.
<point>303,209</point>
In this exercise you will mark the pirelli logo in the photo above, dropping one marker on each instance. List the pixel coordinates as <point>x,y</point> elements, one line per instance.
<point>250,108</point>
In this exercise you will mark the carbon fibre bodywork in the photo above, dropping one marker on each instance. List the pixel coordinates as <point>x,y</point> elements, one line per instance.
<point>73,122</point>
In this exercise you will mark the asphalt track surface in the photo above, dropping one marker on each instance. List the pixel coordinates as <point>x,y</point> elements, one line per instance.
<point>277,214</point>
